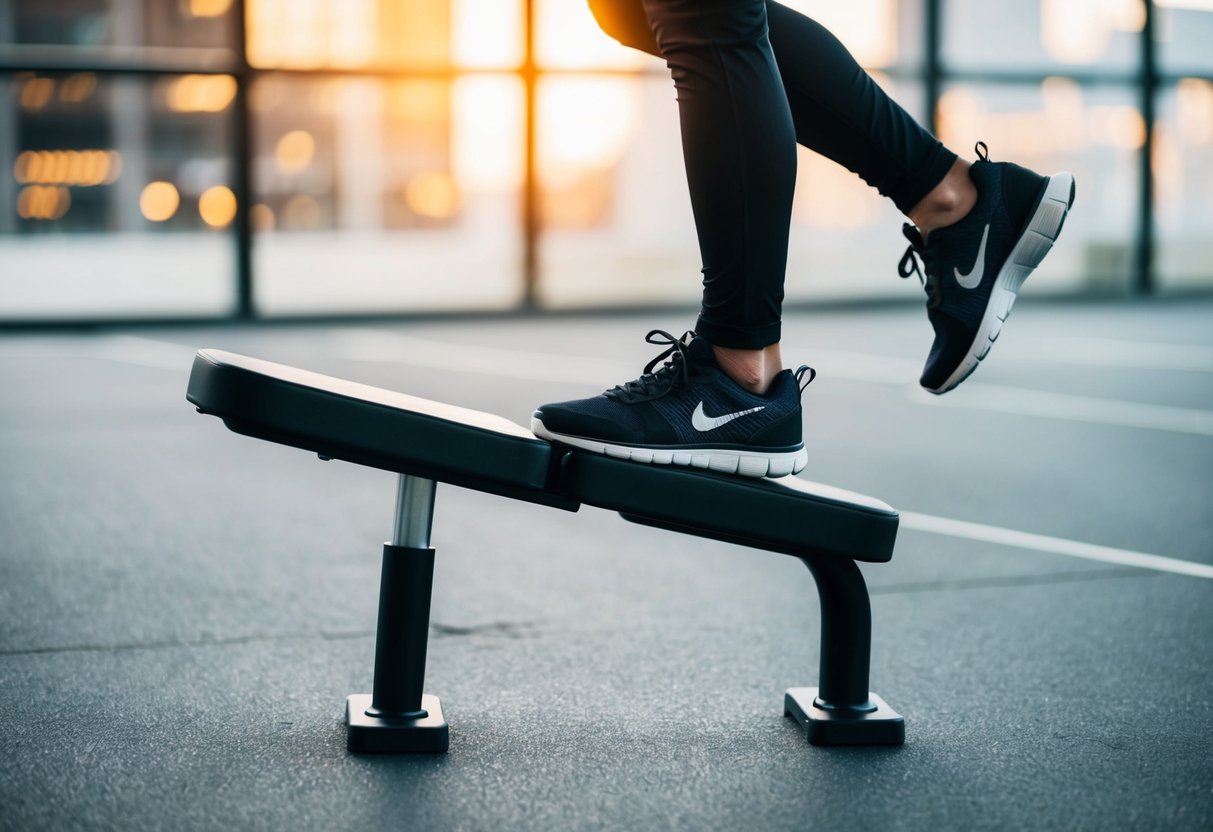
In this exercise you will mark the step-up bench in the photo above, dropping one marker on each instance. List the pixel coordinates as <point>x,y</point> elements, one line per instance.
<point>427,442</point>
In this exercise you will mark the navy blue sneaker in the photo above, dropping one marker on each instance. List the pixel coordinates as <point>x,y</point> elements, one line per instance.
<point>687,412</point>
<point>975,267</point>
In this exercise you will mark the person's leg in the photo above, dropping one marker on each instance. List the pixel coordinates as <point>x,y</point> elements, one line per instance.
<point>981,229</point>
<point>838,111</point>
<point>722,399</point>
<point>739,150</point>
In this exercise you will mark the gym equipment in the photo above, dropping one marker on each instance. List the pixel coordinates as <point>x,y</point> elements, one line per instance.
<point>428,442</point>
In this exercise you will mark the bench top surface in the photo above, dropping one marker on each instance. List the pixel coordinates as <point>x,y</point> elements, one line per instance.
<point>375,427</point>
<point>394,431</point>
<point>367,393</point>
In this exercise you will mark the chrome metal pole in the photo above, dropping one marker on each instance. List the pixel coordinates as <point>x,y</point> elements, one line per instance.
<point>414,512</point>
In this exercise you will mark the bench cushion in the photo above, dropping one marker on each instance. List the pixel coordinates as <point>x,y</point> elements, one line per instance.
<point>396,432</point>
<point>788,515</point>
<point>375,427</point>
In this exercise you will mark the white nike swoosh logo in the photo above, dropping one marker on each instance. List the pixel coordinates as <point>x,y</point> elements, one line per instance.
<point>703,423</point>
<point>973,279</point>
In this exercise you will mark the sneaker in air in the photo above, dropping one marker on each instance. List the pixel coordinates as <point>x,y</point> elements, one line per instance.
<point>687,412</point>
<point>975,267</point>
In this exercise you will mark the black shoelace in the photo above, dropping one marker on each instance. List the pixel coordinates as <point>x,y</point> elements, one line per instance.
<point>909,265</point>
<point>928,276</point>
<point>674,373</point>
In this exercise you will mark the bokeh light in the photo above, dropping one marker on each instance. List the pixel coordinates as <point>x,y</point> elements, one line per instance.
<point>159,201</point>
<point>294,151</point>
<point>217,206</point>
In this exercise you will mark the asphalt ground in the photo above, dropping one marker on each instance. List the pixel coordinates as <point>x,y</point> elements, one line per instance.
<point>183,610</point>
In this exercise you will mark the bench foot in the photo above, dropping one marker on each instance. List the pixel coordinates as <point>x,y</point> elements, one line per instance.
<point>379,735</point>
<point>874,723</point>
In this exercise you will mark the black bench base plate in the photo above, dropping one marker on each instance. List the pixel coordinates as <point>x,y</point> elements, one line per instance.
<point>830,726</point>
<point>374,735</point>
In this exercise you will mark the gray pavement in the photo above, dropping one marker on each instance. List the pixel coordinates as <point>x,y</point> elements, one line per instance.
<point>183,610</point>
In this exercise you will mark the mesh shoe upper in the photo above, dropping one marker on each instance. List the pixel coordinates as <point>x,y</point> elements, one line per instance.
<point>687,402</point>
<point>962,261</point>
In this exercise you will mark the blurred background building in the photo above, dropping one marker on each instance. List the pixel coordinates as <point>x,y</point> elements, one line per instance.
<point>169,159</point>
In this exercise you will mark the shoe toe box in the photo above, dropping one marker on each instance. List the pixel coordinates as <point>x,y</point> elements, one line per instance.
<point>950,348</point>
<point>597,418</point>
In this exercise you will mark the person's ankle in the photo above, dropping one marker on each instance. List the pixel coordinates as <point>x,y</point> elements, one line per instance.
<point>947,203</point>
<point>752,370</point>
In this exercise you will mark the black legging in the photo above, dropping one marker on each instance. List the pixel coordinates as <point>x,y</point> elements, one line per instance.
<point>753,78</point>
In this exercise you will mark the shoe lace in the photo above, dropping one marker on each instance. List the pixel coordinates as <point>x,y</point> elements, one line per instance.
<point>910,265</point>
<point>675,372</point>
<point>928,275</point>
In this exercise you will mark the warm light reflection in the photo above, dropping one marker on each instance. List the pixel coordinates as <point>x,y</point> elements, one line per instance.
<point>262,217</point>
<point>201,93</point>
<point>312,33</point>
<point>867,27</point>
<point>294,151</point>
<point>432,194</point>
<point>584,123</point>
<point>217,206</point>
<point>486,133</point>
<point>159,201</point>
<point>36,93</point>
<point>487,34</point>
<point>1065,122</point>
<point>209,8</point>
<point>1079,31</point>
<point>67,167</point>
<point>567,37</point>
<point>350,33</point>
<point>77,88</point>
<point>38,202</point>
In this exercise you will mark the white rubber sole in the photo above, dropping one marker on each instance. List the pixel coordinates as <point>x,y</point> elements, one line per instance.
<point>724,460</point>
<point>1035,242</point>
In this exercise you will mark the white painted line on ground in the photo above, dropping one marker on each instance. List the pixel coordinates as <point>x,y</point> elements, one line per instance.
<point>389,347</point>
<point>379,346</point>
<point>1055,545</point>
<point>1024,402</point>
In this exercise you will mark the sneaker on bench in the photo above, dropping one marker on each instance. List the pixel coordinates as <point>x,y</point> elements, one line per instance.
<point>687,412</point>
<point>974,268</point>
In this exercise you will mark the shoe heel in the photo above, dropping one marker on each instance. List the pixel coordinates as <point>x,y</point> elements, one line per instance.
<point>1046,224</point>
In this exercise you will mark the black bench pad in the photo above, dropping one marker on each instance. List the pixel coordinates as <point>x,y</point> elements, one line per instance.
<point>375,427</point>
<point>787,515</point>
<point>410,435</point>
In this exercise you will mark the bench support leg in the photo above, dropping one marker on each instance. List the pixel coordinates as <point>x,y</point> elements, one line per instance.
<point>841,710</point>
<point>398,717</point>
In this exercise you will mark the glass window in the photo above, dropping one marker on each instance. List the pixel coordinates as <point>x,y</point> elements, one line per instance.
<point>1045,34</point>
<point>416,34</point>
<point>1184,29</point>
<point>117,196</point>
<point>381,196</point>
<point>567,37</point>
<point>119,26</point>
<point>618,220</point>
<point>1096,133</point>
<point>1183,180</point>
<point>881,34</point>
